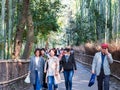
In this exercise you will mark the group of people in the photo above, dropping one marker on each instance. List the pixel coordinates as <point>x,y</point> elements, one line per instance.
<point>45,68</point>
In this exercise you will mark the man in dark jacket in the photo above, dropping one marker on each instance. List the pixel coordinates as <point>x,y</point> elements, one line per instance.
<point>68,64</point>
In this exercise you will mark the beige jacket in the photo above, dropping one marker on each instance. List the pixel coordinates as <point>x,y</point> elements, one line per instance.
<point>52,69</point>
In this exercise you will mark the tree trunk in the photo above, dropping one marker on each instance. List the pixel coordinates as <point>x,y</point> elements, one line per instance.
<point>115,22</point>
<point>118,22</point>
<point>10,28</point>
<point>119,16</point>
<point>3,31</point>
<point>106,19</point>
<point>110,26</point>
<point>20,29</point>
<point>7,24</point>
<point>30,38</point>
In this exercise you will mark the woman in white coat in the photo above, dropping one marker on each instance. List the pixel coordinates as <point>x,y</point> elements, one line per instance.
<point>52,70</point>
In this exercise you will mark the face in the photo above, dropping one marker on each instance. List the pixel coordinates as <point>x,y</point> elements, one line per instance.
<point>104,50</point>
<point>42,52</point>
<point>52,53</point>
<point>37,53</point>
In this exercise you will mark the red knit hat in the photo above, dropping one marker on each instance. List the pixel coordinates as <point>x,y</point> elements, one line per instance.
<point>104,45</point>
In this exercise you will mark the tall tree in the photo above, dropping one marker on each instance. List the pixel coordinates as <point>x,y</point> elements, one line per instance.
<point>119,17</point>
<point>110,21</point>
<point>30,37</point>
<point>3,27</point>
<point>20,29</point>
<point>10,27</point>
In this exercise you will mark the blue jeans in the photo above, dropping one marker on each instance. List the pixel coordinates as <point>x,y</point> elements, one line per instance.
<point>37,85</point>
<point>104,79</point>
<point>68,79</point>
<point>51,82</point>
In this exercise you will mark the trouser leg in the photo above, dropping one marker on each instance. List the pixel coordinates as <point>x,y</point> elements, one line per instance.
<point>50,82</point>
<point>70,76</point>
<point>66,79</point>
<point>106,82</point>
<point>100,82</point>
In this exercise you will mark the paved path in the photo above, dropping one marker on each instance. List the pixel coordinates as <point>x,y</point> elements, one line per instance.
<point>80,80</point>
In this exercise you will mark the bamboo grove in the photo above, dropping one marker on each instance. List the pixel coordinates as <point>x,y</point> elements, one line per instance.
<point>24,24</point>
<point>96,20</point>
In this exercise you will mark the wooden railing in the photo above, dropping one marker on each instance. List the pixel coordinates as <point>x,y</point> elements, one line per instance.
<point>12,74</point>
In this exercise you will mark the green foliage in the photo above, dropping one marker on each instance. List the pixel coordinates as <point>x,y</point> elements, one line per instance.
<point>90,27</point>
<point>45,16</point>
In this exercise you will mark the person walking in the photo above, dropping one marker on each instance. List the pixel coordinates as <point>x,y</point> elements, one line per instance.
<point>52,70</point>
<point>44,56</point>
<point>69,65</point>
<point>101,67</point>
<point>36,70</point>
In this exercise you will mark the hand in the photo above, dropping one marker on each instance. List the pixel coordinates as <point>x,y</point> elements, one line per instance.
<point>56,74</point>
<point>62,70</point>
<point>93,72</point>
<point>29,72</point>
<point>106,52</point>
<point>75,71</point>
<point>45,71</point>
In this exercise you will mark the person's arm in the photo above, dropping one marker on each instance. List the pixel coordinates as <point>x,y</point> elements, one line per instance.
<point>74,63</point>
<point>61,64</point>
<point>43,62</point>
<point>30,65</point>
<point>57,65</point>
<point>45,66</point>
<point>109,57</point>
<point>94,63</point>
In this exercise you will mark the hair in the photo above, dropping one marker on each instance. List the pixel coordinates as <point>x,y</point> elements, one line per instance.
<point>51,50</point>
<point>37,49</point>
<point>42,49</point>
<point>67,49</point>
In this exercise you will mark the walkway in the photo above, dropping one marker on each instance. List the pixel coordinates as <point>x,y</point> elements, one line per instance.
<point>80,80</point>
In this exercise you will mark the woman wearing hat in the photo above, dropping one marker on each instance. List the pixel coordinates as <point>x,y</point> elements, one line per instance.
<point>101,67</point>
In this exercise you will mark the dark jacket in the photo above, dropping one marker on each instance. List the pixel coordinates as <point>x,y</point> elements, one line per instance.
<point>70,65</point>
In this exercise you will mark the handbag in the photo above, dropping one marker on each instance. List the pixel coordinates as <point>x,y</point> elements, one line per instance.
<point>57,78</point>
<point>27,79</point>
<point>92,80</point>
